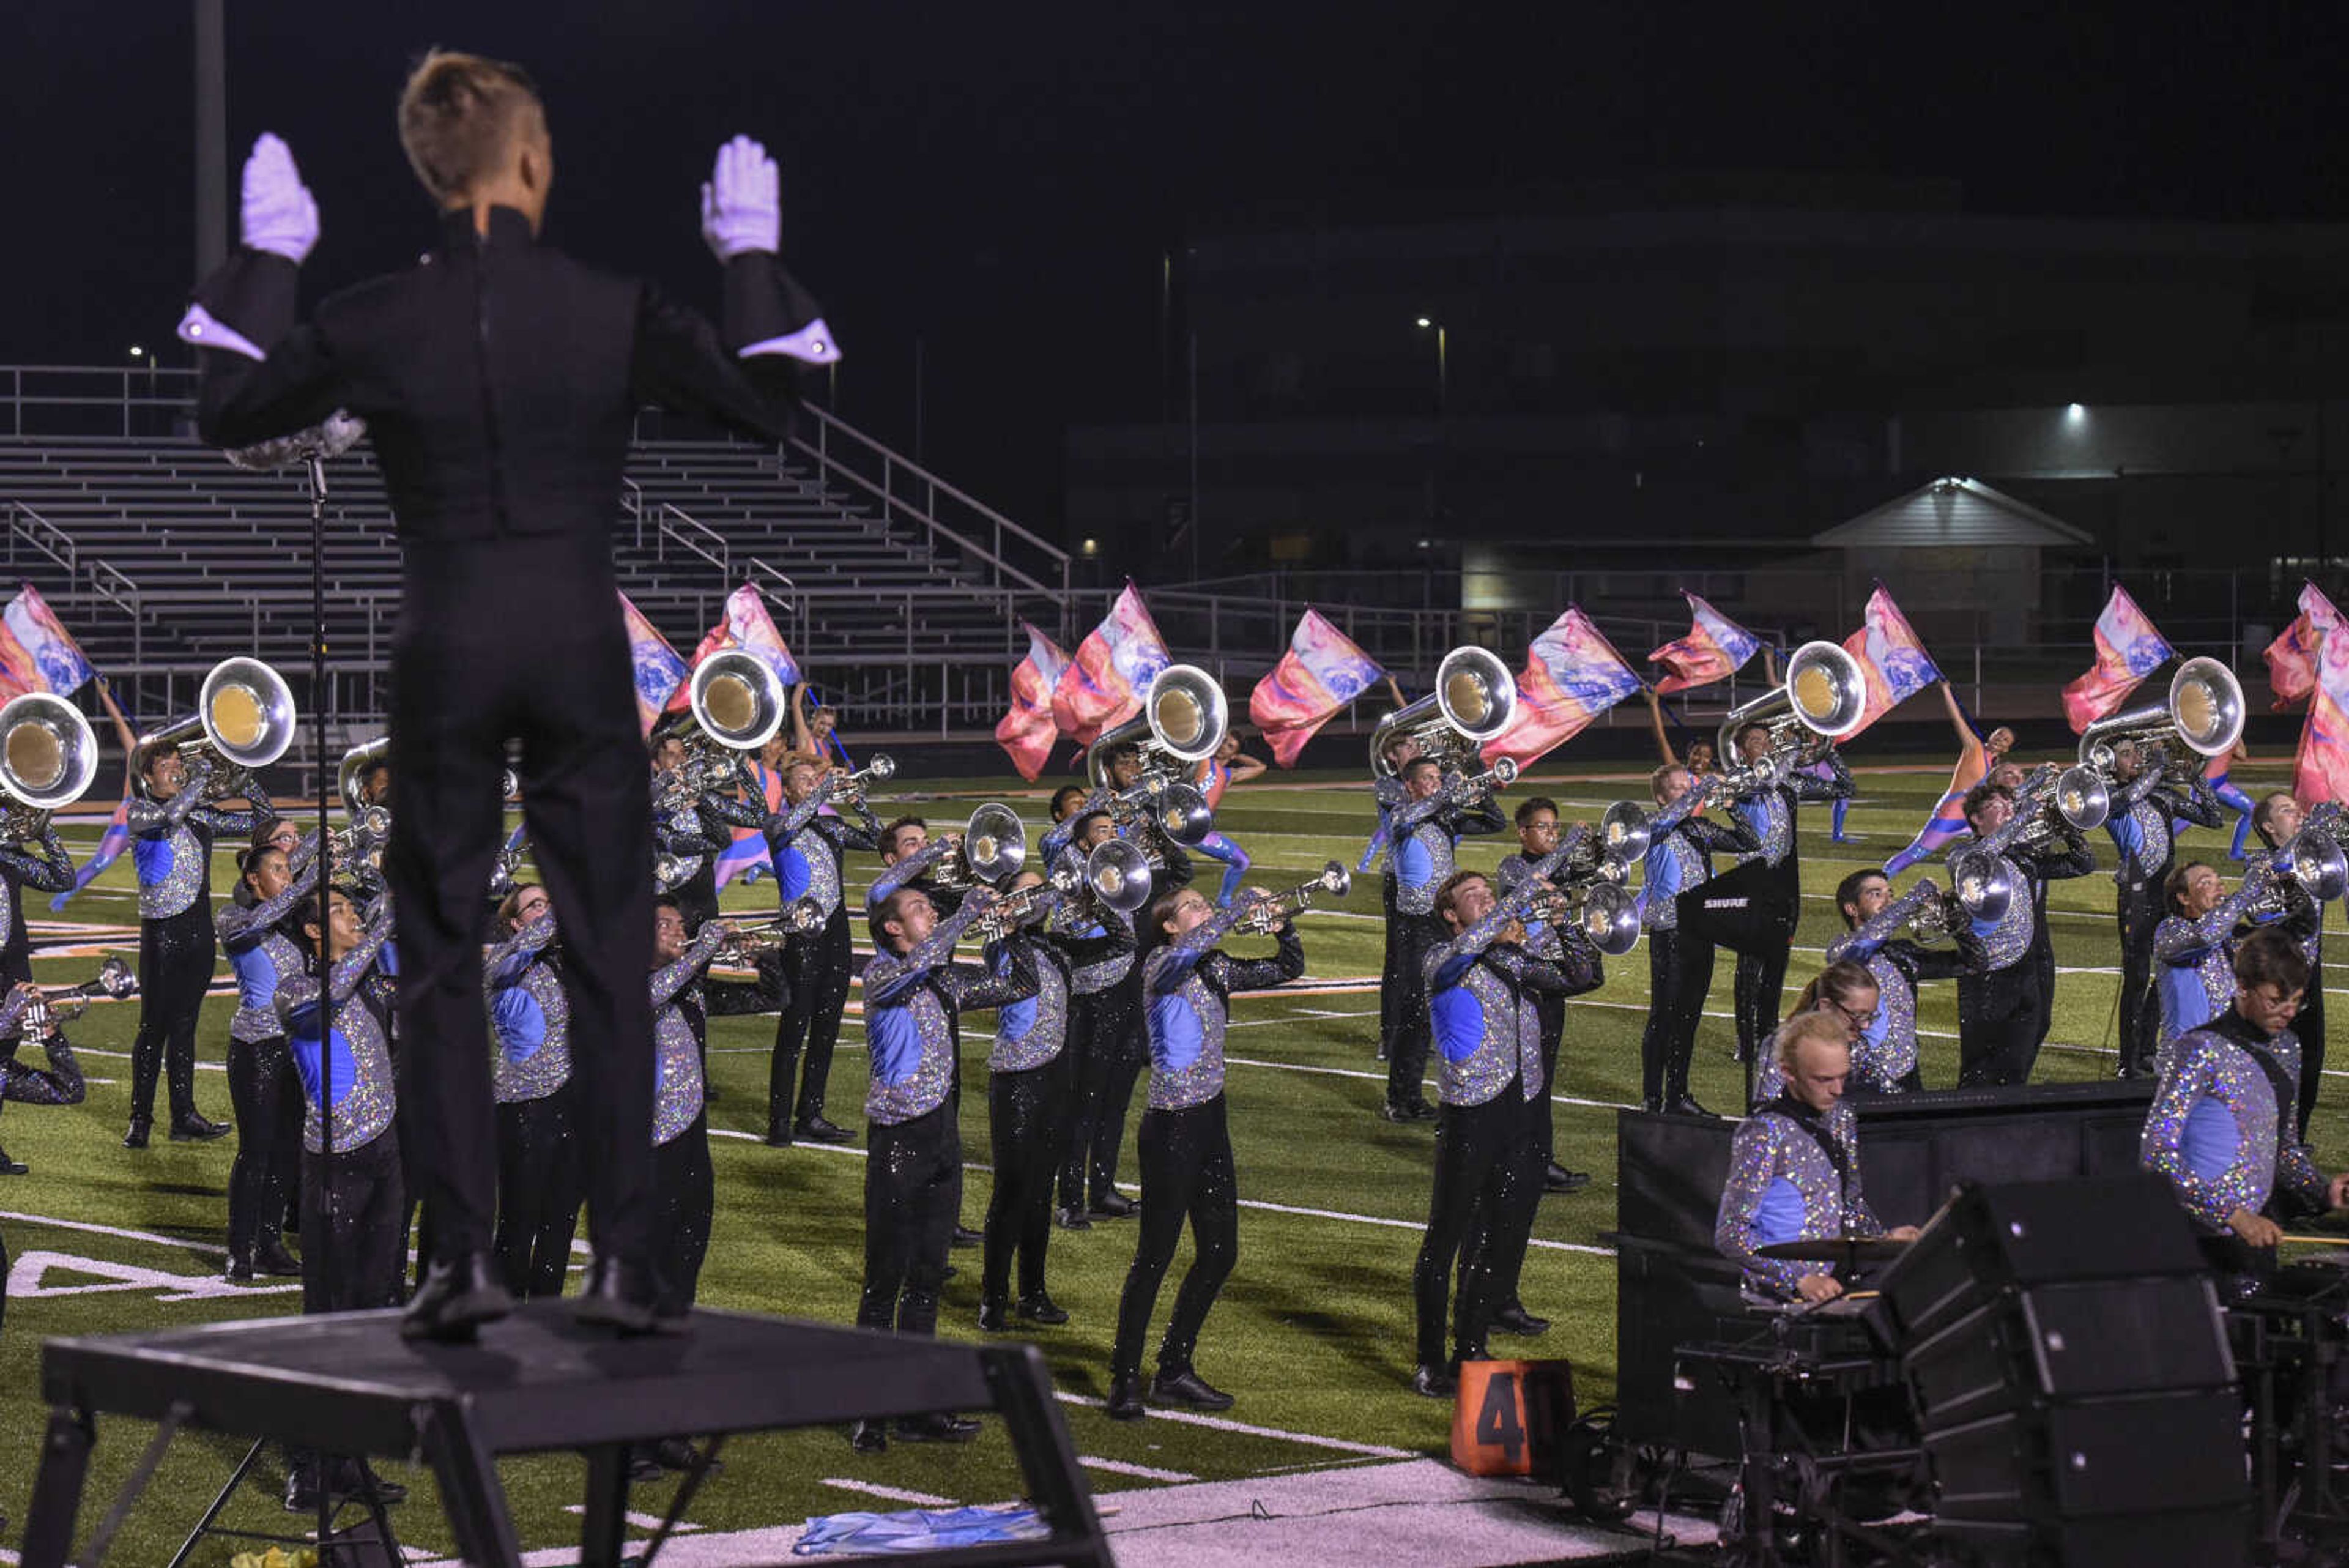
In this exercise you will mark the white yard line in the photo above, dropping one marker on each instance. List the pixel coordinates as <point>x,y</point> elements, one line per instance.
<point>890,1493</point>
<point>1218,1424</point>
<point>1146,1472</point>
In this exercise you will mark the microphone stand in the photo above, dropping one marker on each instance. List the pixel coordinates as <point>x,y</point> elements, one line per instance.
<point>320,698</point>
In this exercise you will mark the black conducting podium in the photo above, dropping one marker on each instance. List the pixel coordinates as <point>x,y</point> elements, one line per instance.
<point>348,1383</point>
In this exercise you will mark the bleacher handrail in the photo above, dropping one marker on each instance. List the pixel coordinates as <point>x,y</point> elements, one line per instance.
<point>45,536</point>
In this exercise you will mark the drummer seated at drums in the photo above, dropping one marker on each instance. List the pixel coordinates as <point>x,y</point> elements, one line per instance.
<point>1793,1171</point>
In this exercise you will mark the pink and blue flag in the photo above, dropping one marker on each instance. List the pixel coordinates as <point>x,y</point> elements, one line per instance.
<point>1104,685</point>
<point>1572,675</point>
<point>656,668</point>
<point>1892,659</point>
<point>1028,731</point>
<point>49,651</point>
<point>747,856</point>
<point>1715,648</point>
<point>116,839</point>
<point>748,625</point>
<point>2321,769</point>
<point>2292,656</point>
<point>2127,651</point>
<point>1321,673</point>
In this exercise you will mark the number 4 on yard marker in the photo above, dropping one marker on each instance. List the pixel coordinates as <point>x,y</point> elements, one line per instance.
<point>1497,1420</point>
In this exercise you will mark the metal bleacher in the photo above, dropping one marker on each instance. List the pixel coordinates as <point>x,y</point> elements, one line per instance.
<point>899,595</point>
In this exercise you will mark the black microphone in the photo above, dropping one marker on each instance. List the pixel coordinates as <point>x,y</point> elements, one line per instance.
<point>334,435</point>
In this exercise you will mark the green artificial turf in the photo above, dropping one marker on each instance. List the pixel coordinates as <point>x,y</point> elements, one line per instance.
<point>1313,1332</point>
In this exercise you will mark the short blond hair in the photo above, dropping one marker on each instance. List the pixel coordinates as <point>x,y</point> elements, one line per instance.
<point>459,116</point>
<point>1818,1024</point>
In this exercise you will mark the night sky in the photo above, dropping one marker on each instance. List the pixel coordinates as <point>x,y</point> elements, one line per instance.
<point>1003,181</point>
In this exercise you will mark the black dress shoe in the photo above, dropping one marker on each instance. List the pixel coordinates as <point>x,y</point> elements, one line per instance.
<point>137,1139</point>
<point>1421,1111</point>
<point>677,1454</point>
<point>1558,1179</point>
<point>1041,1308</point>
<point>355,1480</point>
<point>1125,1396</point>
<point>11,1166</point>
<point>990,1315</point>
<point>193,1128</point>
<point>1686,1105</point>
<point>1434,1382</point>
<point>1112,1205</point>
<point>937,1426</point>
<point>779,1134</point>
<point>622,1293</point>
<point>238,1269</point>
<point>815,1129</point>
<point>1515,1319</point>
<point>1188,1387</point>
<point>964,1236</point>
<point>1653,1104</point>
<point>459,1294</point>
<point>643,1466</point>
<point>1069,1217</point>
<point>272,1258</point>
<point>869,1436</point>
<point>302,1487</point>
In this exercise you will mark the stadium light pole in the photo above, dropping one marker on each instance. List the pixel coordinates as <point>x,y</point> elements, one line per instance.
<point>1442,360</point>
<point>212,136</point>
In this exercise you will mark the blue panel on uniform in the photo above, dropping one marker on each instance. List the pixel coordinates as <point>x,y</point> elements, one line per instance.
<point>895,1039</point>
<point>2210,1139</point>
<point>154,859</point>
<point>1779,1216</point>
<point>1459,1020</point>
<point>1175,1037</point>
<point>521,1023</point>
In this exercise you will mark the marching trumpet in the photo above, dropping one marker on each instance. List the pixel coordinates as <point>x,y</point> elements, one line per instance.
<point>2204,713</point>
<point>850,789</point>
<point>1925,912</point>
<point>1474,700</point>
<point>1466,789</point>
<point>48,755</point>
<point>1268,913</point>
<point>1823,698</point>
<point>245,718</point>
<point>1015,908</point>
<point>752,938</point>
<point>993,845</point>
<point>49,1007</point>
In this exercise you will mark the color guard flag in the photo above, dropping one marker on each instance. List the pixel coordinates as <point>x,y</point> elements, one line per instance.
<point>748,854</point>
<point>1321,673</point>
<point>2127,651</point>
<point>110,847</point>
<point>1104,686</point>
<point>50,653</point>
<point>745,625</point>
<point>1573,674</point>
<point>2291,658</point>
<point>2322,772</point>
<point>1890,656</point>
<point>1716,647</point>
<point>1027,731</point>
<point>657,668</point>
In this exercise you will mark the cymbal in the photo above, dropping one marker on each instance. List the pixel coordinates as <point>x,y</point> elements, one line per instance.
<point>1835,1250</point>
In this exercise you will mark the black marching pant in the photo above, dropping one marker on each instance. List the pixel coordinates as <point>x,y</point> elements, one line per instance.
<point>913,1191</point>
<point>816,968</point>
<point>1410,939</point>
<point>1025,1120</point>
<point>265,1097</point>
<point>352,1243</point>
<point>1507,1244</point>
<point>1186,1174</point>
<point>2309,1025</point>
<point>1115,1050</point>
<point>1760,983</point>
<point>2137,909</point>
<point>1391,980</point>
<point>520,638</point>
<point>1999,1024</point>
<point>541,1180</point>
<point>175,969</point>
<point>684,1195</point>
<point>1486,1180</point>
<point>1679,974</point>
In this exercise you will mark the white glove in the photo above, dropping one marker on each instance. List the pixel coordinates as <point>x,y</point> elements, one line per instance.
<point>742,202</point>
<point>279,215</point>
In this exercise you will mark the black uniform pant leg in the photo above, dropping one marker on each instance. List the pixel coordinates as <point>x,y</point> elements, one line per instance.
<point>175,968</point>
<point>2309,1025</point>
<point>1088,1077</point>
<point>1469,1142</point>
<point>832,980</point>
<point>686,1193</point>
<point>1022,1108</point>
<point>1390,974</point>
<point>696,896</point>
<point>1680,976</point>
<point>1124,1032</point>
<point>1998,1025</point>
<point>912,1184</point>
<point>1214,1213</point>
<point>1173,1146</point>
<point>352,1246</point>
<point>2137,910</point>
<point>539,1183</point>
<point>264,1097</point>
<point>804,983</point>
<point>2043,970</point>
<point>1410,939</point>
<point>1760,983</point>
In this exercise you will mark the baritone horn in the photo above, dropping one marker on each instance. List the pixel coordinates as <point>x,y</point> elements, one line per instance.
<point>48,755</point>
<point>245,717</point>
<point>737,700</point>
<point>1823,698</point>
<point>2204,713</point>
<point>1183,720</point>
<point>1474,700</point>
<point>994,845</point>
<point>1266,914</point>
<point>1117,876</point>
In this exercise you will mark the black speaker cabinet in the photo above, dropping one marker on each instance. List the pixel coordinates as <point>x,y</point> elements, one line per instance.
<point>2072,1374</point>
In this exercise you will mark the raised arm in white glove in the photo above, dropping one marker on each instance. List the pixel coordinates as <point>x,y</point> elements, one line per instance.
<point>278,213</point>
<point>742,202</point>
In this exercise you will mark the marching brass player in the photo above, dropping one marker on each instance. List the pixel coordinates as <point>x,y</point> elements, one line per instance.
<point>689,833</point>
<point>909,856</point>
<point>1538,837</point>
<point>2003,1007</point>
<point>2195,946</point>
<point>683,997</point>
<point>1770,811</point>
<point>60,1085</point>
<point>1681,847</point>
<point>2278,819</point>
<point>258,933</point>
<point>540,1154</point>
<point>1109,1040</point>
<point>2219,1127</point>
<point>1424,834</point>
<point>1029,1080</point>
<point>38,862</point>
<point>1884,1058</point>
<point>2142,827</point>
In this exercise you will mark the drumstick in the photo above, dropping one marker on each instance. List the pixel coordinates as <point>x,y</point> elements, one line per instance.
<point>2313,1241</point>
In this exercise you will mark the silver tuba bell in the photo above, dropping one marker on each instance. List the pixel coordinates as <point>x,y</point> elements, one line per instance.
<point>2204,713</point>
<point>1474,700</point>
<point>1823,698</point>
<point>1183,720</point>
<point>244,716</point>
<point>48,755</point>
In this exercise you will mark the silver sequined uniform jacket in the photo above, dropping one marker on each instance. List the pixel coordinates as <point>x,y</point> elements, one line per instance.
<point>911,1000</point>
<point>1768,1147</point>
<point>526,997</point>
<point>677,1089</point>
<point>365,1098</point>
<point>2214,1065</point>
<point>1186,999</point>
